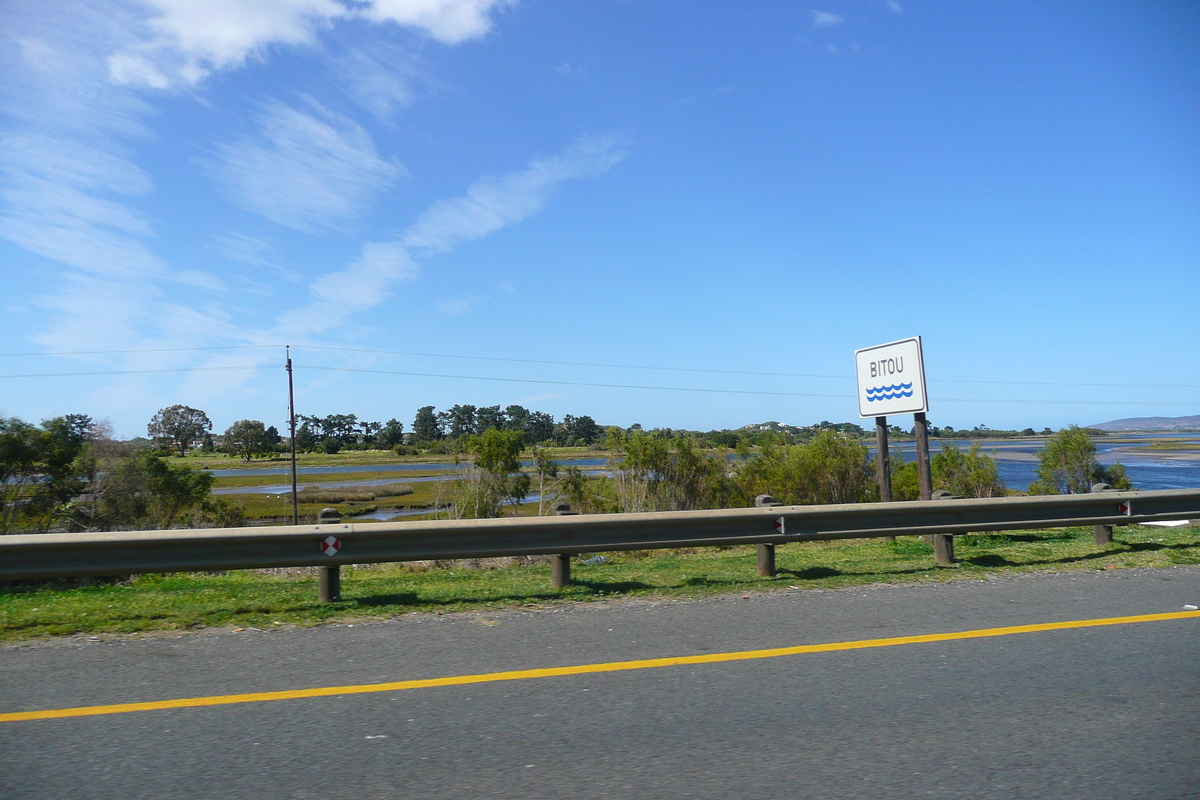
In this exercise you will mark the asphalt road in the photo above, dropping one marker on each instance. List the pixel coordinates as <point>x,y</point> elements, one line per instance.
<point>1095,713</point>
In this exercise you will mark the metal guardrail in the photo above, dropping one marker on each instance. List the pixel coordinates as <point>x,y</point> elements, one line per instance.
<point>329,545</point>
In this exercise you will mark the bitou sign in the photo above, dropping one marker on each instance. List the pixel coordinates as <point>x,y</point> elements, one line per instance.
<point>891,379</point>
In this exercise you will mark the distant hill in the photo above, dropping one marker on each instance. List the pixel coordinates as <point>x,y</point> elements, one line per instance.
<point>777,427</point>
<point>1151,424</point>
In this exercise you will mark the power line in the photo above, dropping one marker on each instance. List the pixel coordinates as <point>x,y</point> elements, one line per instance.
<point>724,391</point>
<point>138,371</point>
<point>730,371</point>
<point>577,363</point>
<point>588,364</point>
<point>569,383</point>
<point>146,350</point>
<point>586,384</point>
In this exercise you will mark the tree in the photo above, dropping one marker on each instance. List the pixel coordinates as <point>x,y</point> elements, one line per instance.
<point>546,469</point>
<point>247,438</point>
<point>832,468</point>
<point>425,426</point>
<point>515,418</point>
<point>1068,465</point>
<point>391,434</point>
<point>538,427</point>
<point>39,469</point>
<point>178,426</point>
<point>576,430</point>
<point>138,491</point>
<point>490,417</point>
<point>462,420</point>
<point>496,478</point>
<point>969,474</point>
<point>657,472</point>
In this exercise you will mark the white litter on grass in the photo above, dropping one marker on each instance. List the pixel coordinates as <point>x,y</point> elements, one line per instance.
<point>1168,523</point>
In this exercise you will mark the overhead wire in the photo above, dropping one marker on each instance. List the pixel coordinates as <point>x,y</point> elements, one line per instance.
<point>141,371</point>
<point>145,350</point>
<point>581,383</point>
<point>603,365</point>
<point>301,367</point>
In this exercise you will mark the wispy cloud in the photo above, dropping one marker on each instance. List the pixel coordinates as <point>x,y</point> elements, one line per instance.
<point>493,203</point>
<point>894,7</point>
<point>460,306</point>
<point>79,84</point>
<point>306,169</point>
<point>380,78</point>
<point>489,204</point>
<point>367,280</point>
<point>253,251</point>
<point>825,19</point>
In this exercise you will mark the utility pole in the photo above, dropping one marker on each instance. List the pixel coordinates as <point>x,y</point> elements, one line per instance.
<point>292,425</point>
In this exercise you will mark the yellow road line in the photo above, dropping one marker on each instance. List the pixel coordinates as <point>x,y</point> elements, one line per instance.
<point>581,669</point>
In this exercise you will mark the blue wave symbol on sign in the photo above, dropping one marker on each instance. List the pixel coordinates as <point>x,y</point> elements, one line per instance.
<point>889,392</point>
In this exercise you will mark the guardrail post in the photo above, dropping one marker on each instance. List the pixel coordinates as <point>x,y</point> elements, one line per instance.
<point>329,579</point>
<point>766,552</point>
<point>943,543</point>
<point>560,564</point>
<point>1102,534</point>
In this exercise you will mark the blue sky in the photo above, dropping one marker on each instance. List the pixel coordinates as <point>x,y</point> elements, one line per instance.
<point>724,200</point>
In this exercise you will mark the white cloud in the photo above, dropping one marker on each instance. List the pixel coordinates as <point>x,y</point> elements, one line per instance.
<point>493,203</point>
<point>380,79</point>
<point>134,69</point>
<point>460,306</point>
<point>826,19</point>
<point>183,41</point>
<point>894,7</point>
<point>254,251</point>
<point>448,21</point>
<point>489,205</point>
<point>366,282</point>
<point>307,171</point>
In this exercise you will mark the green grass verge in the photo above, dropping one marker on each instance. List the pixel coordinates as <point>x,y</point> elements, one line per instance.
<point>288,597</point>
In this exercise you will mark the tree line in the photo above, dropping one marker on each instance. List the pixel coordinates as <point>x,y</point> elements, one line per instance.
<point>68,474</point>
<point>181,428</point>
<point>651,471</point>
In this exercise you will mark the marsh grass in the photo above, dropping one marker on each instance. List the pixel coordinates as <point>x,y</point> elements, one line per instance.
<point>268,598</point>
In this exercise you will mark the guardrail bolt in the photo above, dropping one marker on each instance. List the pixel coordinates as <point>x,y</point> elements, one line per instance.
<point>1102,534</point>
<point>329,579</point>
<point>943,543</point>
<point>766,552</point>
<point>560,564</point>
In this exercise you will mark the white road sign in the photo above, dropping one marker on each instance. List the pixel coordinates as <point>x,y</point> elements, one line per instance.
<point>891,379</point>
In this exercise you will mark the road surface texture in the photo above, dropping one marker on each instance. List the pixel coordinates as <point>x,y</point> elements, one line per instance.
<point>1097,712</point>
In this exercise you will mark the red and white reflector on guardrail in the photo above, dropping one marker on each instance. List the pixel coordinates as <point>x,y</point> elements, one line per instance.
<point>330,545</point>
<point>1125,508</point>
<point>779,525</point>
